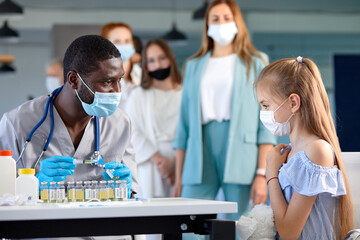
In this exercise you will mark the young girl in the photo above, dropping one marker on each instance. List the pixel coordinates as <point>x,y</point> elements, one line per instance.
<point>309,191</point>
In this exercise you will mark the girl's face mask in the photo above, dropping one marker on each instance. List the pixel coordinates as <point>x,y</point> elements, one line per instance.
<point>276,128</point>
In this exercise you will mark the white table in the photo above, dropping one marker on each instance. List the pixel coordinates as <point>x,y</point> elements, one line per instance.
<point>169,216</point>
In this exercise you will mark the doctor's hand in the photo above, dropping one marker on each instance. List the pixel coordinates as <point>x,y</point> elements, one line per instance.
<point>121,171</point>
<point>55,169</point>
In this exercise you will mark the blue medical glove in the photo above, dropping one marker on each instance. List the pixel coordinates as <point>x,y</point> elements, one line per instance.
<point>55,169</point>
<point>121,171</point>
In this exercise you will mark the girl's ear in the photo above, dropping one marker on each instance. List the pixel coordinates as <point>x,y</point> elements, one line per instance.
<point>295,102</point>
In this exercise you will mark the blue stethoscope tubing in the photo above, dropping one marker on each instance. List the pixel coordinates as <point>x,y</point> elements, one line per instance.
<point>50,105</point>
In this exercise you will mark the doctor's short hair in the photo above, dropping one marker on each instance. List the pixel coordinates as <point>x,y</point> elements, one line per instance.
<point>86,52</point>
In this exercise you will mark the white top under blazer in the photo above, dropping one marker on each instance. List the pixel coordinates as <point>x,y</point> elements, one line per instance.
<point>216,89</point>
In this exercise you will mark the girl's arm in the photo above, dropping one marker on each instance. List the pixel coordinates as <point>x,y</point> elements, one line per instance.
<point>290,218</point>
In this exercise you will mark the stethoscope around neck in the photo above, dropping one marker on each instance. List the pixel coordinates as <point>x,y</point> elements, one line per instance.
<point>50,105</point>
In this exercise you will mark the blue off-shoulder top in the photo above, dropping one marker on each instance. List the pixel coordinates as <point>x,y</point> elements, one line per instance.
<point>307,178</point>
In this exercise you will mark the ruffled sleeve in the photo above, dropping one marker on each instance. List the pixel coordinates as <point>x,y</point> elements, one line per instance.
<point>309,179</point>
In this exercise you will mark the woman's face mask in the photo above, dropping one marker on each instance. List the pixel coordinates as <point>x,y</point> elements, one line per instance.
<point>104,104</point>
<point>223,34</point>
<point>126,51</point>
<point>52,83</point>
<point>276,128</point>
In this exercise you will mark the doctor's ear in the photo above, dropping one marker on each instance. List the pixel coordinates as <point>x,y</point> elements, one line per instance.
<point>73,79</point>
<point>295,102</point>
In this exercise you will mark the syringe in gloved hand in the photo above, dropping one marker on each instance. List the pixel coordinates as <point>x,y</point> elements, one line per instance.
<point>97,162</point>
<point>94,162</point>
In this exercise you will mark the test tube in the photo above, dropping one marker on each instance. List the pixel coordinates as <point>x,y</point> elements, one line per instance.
<point>79,191</point>
<point>94,189</point>
<point>87,190</point>
<point>110,184</point>
<point>103,191</point>
<point>44,192</point>
<point>60,192</point>
<point>71,191</point>
<point>52,192</point>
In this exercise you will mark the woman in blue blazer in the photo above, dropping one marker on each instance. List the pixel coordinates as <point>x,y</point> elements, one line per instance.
<point>220,140</point>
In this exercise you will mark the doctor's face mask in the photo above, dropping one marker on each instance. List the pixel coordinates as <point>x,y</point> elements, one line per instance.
<point>103,105</point>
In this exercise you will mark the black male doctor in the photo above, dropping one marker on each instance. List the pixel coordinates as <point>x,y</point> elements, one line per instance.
<point>92,71</point>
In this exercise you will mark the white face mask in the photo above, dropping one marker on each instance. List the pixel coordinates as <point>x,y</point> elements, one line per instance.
<point>52,83</point>
<point>223,34</point>
<point>278,129</point>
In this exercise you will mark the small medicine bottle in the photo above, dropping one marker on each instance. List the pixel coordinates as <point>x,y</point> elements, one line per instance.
<point>117,190</point>
<point>27,184</point>
<point>79,191</point>
<point>71,191</point>
<point>44,192</point>
<point>110,184</point>
<point>123,190</point>
<point>94,189</point>
<point>103,191</point>
<point>87,190</point>
<point>60,192</point>
<point>52,192</point>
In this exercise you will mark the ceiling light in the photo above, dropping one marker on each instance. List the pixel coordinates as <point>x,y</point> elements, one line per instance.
<point>8,34</point>
<point>11,10</point>
<point>174,34</point>
<point>6,68</point>
<point>199,13</point>
<point>6,60</point>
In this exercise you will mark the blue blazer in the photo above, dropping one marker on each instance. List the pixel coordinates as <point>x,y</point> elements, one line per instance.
<point>246,129</point>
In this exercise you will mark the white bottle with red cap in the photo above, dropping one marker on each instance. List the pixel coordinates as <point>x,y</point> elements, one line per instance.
<point>7,173</point>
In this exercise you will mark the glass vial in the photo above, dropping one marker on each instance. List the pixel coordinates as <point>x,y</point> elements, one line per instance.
<point>79,191</point>
<point>87,190</point>
<point>52,192</point>
<point>123,190</point>
<point>44,192</point>
<point>71,191</point>
<point>103,191</point>
<point>110,184</point>
<point>117,190</point>
<point>94,189</point>
<point>60,192</point>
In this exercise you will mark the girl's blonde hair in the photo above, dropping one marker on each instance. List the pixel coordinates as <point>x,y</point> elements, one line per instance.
<point>242,43</point>
<point>288,76</point>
